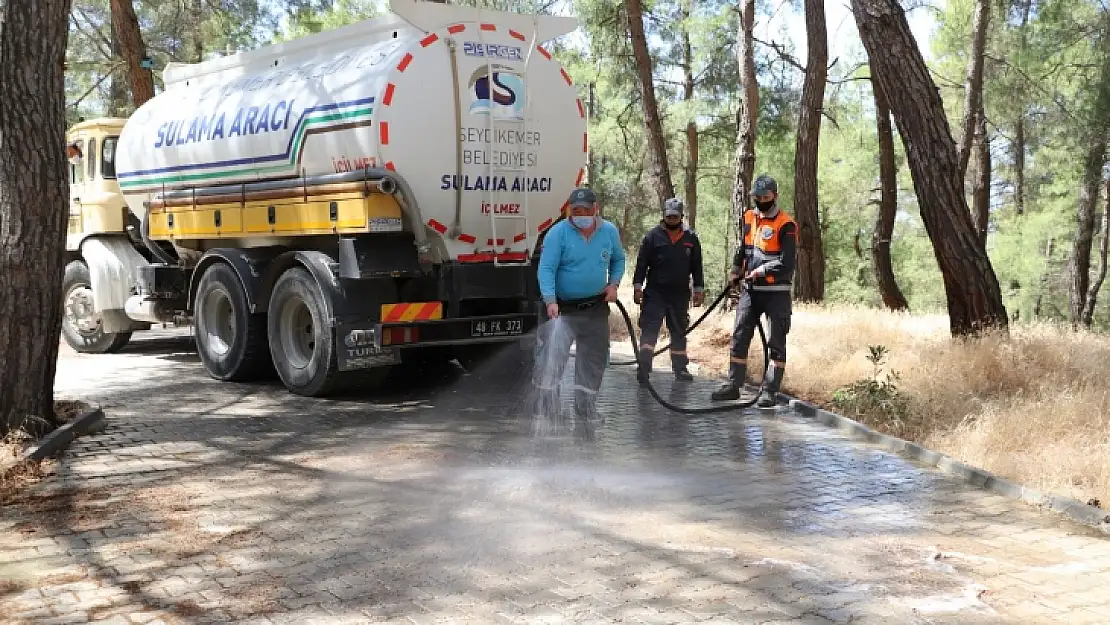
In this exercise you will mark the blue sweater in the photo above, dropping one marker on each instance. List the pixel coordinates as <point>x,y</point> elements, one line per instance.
<point>573,268</point>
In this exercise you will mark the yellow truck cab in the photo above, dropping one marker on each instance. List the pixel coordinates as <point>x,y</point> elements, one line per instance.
<point>98,217</point>
<point>96,205</point>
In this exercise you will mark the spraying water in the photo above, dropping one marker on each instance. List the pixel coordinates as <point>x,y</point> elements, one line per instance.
<point>545,400</point>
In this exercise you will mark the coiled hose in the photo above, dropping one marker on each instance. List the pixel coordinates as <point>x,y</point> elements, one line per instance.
<point>727,407</point>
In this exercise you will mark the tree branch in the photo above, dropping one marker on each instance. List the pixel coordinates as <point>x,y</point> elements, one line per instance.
<point>783,54</point>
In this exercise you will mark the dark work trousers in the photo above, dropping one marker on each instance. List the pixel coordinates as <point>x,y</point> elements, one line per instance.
<point>674,307</point>
<point>589,330</point>
<point>778,307</point>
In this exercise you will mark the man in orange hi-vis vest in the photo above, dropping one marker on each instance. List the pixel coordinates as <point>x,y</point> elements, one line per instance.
<point>765,260</point>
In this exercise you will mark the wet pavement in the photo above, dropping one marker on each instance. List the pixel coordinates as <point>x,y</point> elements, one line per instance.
<point>443,502</point>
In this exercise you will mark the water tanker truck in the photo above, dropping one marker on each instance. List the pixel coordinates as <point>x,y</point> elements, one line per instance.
<point>328,206</point>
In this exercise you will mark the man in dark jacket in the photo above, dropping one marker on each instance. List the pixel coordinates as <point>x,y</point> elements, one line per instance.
<point>669,255</point>
<point>765,261</point>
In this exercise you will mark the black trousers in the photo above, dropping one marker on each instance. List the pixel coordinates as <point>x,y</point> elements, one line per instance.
<point>778,307</point>
<point>674,307</point>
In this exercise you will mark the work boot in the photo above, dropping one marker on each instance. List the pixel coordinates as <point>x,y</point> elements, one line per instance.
<point>678,365</point>
<point>731,389</point>
<point>771,384</point>
<point>643,368</point>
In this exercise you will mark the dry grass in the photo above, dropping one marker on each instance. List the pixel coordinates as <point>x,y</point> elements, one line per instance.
<point>1034,408</point>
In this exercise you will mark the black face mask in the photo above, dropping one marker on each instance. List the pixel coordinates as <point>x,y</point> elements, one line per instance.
<point>670,226</point>
<point>764,206</point>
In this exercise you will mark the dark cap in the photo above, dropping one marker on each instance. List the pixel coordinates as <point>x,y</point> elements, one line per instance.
<point>764,185</point>
<point>673,206</point>
<point>582,197</point>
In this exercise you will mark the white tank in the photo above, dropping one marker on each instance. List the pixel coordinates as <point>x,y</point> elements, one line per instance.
<point>381,93</point>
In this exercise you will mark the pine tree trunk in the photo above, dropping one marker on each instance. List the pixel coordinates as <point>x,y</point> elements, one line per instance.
<point>746,120</point>
<point>33,207</point>
<point>971,286</point>
<point>981,191</point>
<point>657,143</point>
<point>1046,277</point>
<point>1092,294</point>
<point>809,283</point>
<point>691,127</point>
<point>1019,165</point>
<point>1098,131</point>
<point>117,84</point>
<point>197,17</point>
<point>973,89</point>
<point>125,25</point>
<point>888,207</point>
<point>1080,261</point>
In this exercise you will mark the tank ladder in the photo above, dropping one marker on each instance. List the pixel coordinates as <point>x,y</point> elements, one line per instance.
<point>496,125</point>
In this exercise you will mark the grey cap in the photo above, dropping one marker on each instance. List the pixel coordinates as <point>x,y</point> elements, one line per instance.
<point>673,206</point>
<point>764,185</point>
<point>582,197</point>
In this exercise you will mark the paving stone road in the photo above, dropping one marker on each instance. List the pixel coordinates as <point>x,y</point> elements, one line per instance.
<point>215,502</point>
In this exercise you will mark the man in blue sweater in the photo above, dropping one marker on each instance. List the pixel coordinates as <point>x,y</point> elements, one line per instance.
<point>580,267</point>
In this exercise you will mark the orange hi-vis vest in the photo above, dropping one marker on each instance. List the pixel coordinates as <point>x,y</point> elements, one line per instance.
<point>763,245</point>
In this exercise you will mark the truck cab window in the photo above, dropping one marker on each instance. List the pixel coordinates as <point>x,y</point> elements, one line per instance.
<point>108,158</point>
<point>91,158</point>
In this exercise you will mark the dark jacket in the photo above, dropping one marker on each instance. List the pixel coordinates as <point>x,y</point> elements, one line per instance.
<point>668,265</point>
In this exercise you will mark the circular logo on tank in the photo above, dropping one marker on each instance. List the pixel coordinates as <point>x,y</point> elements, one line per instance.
<point>507,139</point>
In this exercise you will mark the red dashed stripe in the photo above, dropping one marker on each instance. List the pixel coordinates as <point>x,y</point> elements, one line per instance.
<point>585,142</point>
<point>486,257</point>
<point>439,227</point>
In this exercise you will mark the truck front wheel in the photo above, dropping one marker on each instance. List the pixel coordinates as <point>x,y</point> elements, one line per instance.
<point>81,325</point>
<point>230,340</point>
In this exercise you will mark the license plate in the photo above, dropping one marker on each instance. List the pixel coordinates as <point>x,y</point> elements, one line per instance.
<point>496,327</point>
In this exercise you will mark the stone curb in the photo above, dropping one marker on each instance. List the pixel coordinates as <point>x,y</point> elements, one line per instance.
<point>88,422</point>
<point>1070,508</point>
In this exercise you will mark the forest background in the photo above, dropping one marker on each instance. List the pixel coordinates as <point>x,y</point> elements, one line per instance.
<point>1024,87</point>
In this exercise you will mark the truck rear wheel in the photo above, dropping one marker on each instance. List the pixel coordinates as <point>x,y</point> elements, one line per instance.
<point>302,343</point>
<point>81,324</point>
<point>300,340</point>
<point>230,340</point>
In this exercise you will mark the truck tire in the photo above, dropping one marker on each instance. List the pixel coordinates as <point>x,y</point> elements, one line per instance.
<point>302,342</point>
<point>230,340</point>
<point>81,325</point>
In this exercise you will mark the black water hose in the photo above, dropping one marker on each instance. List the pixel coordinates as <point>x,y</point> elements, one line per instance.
<point>726,407</point>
